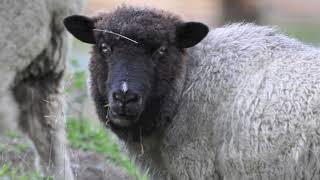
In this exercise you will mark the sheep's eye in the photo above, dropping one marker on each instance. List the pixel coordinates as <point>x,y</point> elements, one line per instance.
<point>105,49</point>
<point>162,50</point>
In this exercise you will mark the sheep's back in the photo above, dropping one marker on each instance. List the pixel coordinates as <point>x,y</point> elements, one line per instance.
<point>250,107</point>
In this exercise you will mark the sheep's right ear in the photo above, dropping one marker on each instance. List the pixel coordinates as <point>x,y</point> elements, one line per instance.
<point>190,33</point>
<point>80,27</point>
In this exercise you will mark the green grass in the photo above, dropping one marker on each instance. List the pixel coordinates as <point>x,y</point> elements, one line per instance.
<point>12,134</point>
<point>77,79</point>
<point>12,173</point>
<point>84,135</point>
<point>4,170</point>
<point>20,171</point>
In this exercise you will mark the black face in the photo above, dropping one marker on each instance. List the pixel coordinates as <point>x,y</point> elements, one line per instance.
<point>131,77</point>
<point>134,77</point>
<point>137,74</point>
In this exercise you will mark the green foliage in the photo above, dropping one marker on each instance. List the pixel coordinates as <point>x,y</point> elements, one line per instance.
<point>4,170</point>
<point>16,146</point>
<point>21,148</point>
<point>12,147</point>
<point>2,147</point>
<point>8,172</point>
<point>12,134</point>
<point>305,32</point>
<point>77,80</point>
<point>84,135</point>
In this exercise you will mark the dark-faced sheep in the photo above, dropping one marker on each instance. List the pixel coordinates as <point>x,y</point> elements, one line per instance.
<point>241,104</point>
<point>33,46</point>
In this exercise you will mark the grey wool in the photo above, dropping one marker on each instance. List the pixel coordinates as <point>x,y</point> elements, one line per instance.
<point>244,103</point>
<point>33,52</point>
<point>255,96</point>
<point>249,109</point>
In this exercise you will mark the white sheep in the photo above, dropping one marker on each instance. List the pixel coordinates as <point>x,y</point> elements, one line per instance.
<point>33,46</point>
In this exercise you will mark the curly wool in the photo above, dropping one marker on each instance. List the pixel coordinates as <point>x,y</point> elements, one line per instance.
<point>249,110</point>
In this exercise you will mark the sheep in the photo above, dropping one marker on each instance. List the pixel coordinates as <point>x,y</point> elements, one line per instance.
<point>188,102</point>
<point>33,50</point>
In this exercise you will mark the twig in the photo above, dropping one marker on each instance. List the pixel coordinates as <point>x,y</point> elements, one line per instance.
<point>141,145</point>
<point>45,101</point>
<point>111,32</point>
<point>107,119</point>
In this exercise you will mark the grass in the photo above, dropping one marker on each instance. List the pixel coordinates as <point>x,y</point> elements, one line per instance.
<point>97,139</point>
<point>82,134</point>
<point>12,170</point>
<point>7,173</point>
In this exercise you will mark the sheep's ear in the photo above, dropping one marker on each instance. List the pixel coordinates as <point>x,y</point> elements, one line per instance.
<point>80,27</point>
<point>190,33</point>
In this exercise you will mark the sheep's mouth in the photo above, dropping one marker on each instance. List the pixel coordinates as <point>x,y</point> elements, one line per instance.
<point>122,120</point>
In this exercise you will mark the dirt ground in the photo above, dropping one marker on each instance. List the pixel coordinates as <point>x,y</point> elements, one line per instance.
<point>18,154</point>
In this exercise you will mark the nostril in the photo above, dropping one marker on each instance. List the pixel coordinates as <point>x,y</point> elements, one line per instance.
<point>131,97</point>
<point>128,97</point>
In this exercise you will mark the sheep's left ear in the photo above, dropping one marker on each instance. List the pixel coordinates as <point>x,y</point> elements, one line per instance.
<point>190,33</point>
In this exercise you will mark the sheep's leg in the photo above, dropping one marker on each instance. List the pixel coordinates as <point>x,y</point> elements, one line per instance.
<point>8,106</point>
<point>7,113</point>
<point>41,117</point>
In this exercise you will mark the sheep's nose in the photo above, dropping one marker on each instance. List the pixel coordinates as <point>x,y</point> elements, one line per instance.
<point>125,97</point>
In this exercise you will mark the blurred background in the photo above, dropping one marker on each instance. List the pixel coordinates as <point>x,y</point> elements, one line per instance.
<point>300,19</point>
<point>297,18</point>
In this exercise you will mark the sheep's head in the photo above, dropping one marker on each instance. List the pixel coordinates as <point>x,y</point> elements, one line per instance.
<point>138,52</point>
